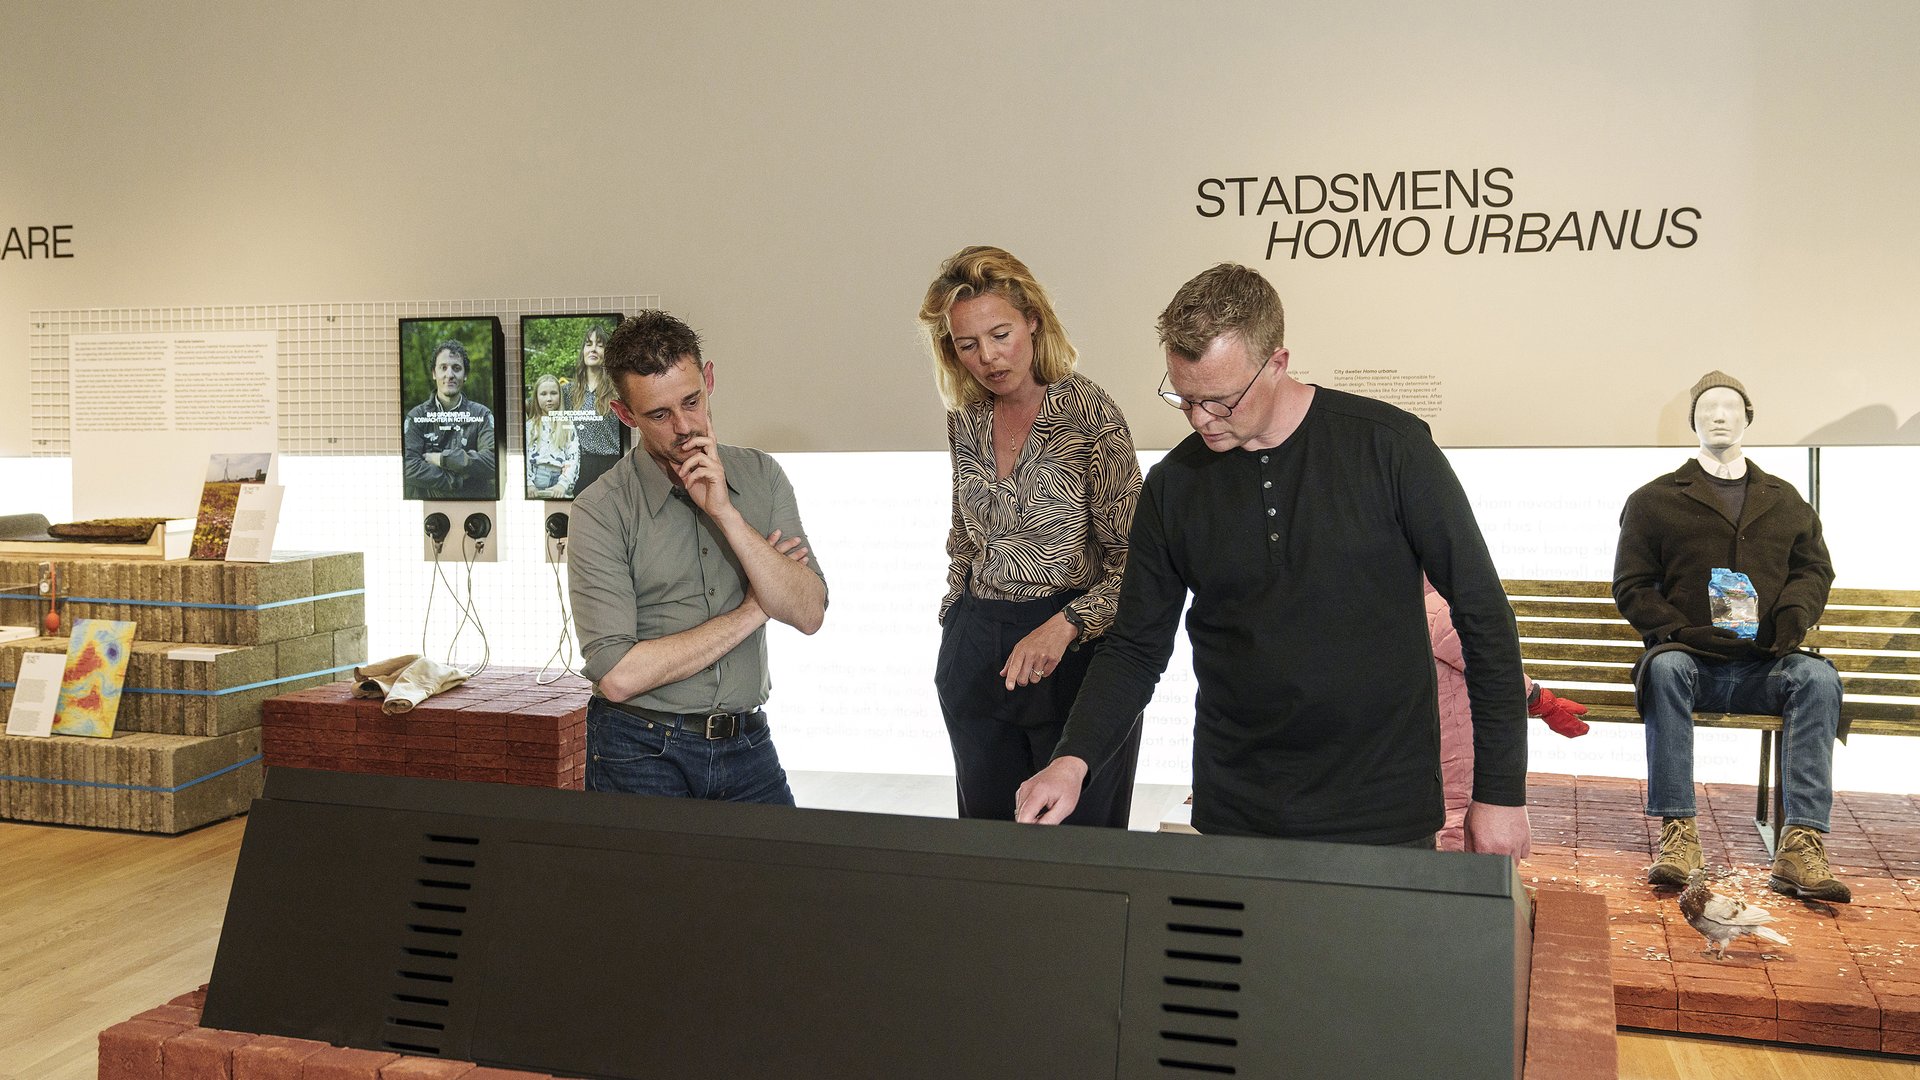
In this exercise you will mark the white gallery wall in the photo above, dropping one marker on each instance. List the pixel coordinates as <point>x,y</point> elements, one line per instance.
<point>1668,189</point>
<point>788,176</point>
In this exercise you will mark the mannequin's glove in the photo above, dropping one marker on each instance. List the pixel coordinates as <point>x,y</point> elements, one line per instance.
<point>1789,630</point>
<point>1561,715</point>
<point>1716,642</point>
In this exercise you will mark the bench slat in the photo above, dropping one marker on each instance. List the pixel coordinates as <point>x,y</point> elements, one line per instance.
<point>1898,714</point>
<point>1578,673</point>
<point>1567,609</point>
<point>1871,717</point>
<point>1852,683</point>
<point>1622,652</point>
<point>1888,640</point>
<point>1615,714</point>
<point>1876,597</point>
<point>1595,631</point>
<point>1857,662</point>
<point>1871,617</point>
<point>1532,587</point>
<point>1873,726</point>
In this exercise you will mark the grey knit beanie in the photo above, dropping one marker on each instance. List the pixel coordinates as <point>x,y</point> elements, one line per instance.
<point>1711,380</point>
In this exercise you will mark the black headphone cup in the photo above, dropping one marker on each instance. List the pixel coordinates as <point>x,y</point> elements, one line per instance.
<point>557,526</point>
<point>436,526</point>
<point>477,526</point>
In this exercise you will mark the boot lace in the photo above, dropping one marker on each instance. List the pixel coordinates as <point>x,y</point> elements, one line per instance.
<point>1673,839</point>
<point>1812,854</point>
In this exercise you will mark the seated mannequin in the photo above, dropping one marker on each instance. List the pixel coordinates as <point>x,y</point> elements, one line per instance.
<point>1678,535</point>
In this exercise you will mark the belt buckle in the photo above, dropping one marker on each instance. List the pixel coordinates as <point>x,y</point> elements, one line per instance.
<point>722,725</point>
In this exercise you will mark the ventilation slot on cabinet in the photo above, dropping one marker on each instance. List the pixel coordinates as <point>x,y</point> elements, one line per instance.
<point>1200,1015</point>
<point>429,968</point>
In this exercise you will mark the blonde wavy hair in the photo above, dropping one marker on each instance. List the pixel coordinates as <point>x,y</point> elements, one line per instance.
<point>976,271</point>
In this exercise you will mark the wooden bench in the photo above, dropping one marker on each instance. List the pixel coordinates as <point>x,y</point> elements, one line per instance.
<point>1573,639</point>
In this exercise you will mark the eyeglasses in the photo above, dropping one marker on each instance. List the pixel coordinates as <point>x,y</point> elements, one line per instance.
<point>1212,406</point>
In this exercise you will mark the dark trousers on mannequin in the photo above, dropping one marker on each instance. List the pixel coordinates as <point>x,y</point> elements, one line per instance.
<point>1001,737</point>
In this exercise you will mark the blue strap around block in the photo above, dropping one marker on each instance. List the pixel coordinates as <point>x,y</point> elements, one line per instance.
<point>134,787</point>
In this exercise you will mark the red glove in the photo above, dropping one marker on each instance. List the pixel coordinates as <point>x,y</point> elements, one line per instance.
<point>1561,715</point>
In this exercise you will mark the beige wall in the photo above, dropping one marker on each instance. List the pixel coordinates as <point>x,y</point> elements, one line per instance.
<point>787,176</point>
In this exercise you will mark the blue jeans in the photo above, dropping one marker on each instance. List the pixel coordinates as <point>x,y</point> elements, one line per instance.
<point>627,753</point>
<point>1803,690</point>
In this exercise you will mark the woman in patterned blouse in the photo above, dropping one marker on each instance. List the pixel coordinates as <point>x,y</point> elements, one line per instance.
<point>599,434</point>
<point>1044,483</point>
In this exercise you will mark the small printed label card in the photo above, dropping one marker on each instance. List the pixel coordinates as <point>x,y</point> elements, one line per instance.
<point>36,694</point>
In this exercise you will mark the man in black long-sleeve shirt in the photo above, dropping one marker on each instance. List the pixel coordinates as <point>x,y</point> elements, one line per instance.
<point>1301,519</point>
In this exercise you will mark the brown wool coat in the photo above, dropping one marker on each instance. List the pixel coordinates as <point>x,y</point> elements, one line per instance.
<point>1673,535</point>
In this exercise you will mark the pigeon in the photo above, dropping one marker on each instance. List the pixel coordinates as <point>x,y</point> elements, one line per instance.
<point>1721,919</point>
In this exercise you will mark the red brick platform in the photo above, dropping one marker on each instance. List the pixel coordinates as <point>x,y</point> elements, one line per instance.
<point>1850,979</point>
<point>500,726</point>
<point>167,1043</point>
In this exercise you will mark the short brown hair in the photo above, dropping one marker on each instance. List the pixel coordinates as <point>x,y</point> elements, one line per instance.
<point>649,343</point>
<point>976,271</point>
<point>1224,299</point>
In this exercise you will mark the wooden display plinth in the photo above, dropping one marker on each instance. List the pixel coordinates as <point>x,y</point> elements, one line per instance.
<point>296,595</point>
<point>176,689</point>
<point>501,726</point>
<point>138,781</point>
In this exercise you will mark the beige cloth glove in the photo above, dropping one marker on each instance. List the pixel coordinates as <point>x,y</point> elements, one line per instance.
<point>376,680</point>
<point>419,681</point>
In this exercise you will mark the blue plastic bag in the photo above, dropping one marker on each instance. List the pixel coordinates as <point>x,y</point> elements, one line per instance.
<point>1735,604</point>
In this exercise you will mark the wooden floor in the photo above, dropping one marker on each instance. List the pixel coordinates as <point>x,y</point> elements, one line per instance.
<point>96,926</point>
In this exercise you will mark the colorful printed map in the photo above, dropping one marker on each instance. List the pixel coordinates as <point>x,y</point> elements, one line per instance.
<point>96,671</point>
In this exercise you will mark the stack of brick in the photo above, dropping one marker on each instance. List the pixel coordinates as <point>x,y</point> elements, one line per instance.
<point>168,1043</point>
<point>1570,996</point>
<point>213,642</point>
<point>502,726</point>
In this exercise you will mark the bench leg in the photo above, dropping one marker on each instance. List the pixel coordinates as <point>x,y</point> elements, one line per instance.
<point>1769,808</point>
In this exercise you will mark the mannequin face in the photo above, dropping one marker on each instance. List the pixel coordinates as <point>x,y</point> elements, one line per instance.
<point>1720,419</point>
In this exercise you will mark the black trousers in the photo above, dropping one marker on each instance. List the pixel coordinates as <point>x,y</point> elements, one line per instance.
<point>1001,737</point>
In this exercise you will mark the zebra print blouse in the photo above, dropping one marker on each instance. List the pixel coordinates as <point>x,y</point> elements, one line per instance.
<point>1060,521</point>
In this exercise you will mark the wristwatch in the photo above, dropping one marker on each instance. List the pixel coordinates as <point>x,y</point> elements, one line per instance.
<point>1073,617</point>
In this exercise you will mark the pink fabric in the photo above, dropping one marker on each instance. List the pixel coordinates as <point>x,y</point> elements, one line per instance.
<point>1456,720</point>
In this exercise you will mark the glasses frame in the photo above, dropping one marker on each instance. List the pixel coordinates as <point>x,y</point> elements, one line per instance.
<point>1210,406</point>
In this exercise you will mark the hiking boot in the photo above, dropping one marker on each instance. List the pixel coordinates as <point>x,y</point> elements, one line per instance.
<point>1800,868</point>
<point>1679,853</point>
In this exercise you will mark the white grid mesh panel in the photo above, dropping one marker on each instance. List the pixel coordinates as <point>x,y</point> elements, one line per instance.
<point>339,363</point>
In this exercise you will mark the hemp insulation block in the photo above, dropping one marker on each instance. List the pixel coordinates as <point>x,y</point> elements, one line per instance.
<point>138,781</point>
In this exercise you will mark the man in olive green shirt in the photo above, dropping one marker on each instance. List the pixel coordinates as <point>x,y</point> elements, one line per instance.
<point>678,557</point>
